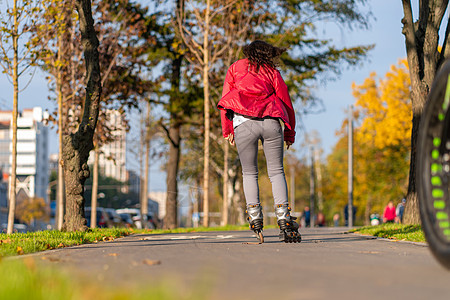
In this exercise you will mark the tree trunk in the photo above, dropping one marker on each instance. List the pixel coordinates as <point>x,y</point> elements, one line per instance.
<point>94,189</point>
<point>421,40</point>
<point>238,203</point>
<point>173,135</point>
<point>197,200</point>
<point>411,214</point>
<point>367,211</point>
<point>78,145</point>
<point>207,117</point>
<point>226,180</point>
<point>12,190</point>
<point>144,196</point>
<point>171,217</point>
<point>60,194</point>
<point>319,180</point>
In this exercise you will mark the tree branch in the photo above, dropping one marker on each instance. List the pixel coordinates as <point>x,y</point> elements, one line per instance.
<point>166,130</point>
<point>436,12</point>
<point>222,9</point>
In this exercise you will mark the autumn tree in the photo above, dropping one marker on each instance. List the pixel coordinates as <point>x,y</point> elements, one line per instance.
<point>52,33</point>
<point>120,29</point>
<point>382,143</point>
<point>424,59</point>
<point>76,146</point>
<point>29,210</point>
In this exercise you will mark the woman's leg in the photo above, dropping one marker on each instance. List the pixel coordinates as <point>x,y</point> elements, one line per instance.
<point>273,143</point>
<point>246,137</point>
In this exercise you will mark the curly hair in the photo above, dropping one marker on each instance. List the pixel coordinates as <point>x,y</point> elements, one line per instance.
<point>262,54</point>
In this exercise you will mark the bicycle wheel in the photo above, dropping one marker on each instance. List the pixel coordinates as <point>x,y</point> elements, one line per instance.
<point>433,167</point>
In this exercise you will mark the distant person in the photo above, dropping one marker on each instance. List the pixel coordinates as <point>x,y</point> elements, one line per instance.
<point>336,218</point>
<point>389,213</point>
<point>399,211</point>
<point>320,219</point>
<point>307,216</point>
<point>346,214</point>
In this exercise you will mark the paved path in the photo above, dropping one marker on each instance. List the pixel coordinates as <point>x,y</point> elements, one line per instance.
<point>328,264</point>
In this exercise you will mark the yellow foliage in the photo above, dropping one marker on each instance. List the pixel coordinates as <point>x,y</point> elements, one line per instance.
<point>381,146</point>
<point>385,108</point>
<point>31,209</point>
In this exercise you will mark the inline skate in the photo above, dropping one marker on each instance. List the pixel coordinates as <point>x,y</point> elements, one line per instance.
<point>255,220</point>
<point>288,227</point>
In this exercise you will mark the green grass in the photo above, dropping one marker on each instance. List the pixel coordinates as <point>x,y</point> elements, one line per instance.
<point>26,279</point>
<point>24,243</point>
<point>401,232</point>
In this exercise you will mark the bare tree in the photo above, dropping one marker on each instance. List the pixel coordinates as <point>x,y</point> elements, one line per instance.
<point>15,60</point>
<point>207,44</point>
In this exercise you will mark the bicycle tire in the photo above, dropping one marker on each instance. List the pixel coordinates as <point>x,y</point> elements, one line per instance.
<point>433,167</point>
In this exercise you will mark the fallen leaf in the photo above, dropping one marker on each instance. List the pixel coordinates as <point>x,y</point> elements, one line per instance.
<point>52,259</point>
<point>7,241</point>
<point>29,262</point>
<point>113,254</point>
<point>108,238</point>
<point>61,245</point>
<point>19,250</point>
<point>151,262</point>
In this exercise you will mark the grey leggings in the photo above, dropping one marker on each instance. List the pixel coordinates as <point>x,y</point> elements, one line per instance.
<point>246,136</point>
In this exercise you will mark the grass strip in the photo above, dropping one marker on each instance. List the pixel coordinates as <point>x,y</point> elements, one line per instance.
<point>399,232</point>
<point>27,279</point>
<point>30,242</point>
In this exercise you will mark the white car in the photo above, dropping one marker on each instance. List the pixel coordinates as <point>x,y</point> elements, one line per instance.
<point>135,214</point>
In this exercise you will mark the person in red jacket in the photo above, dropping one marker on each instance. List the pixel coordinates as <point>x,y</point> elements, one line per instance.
<point>389,214</point>
<point>255,105</point>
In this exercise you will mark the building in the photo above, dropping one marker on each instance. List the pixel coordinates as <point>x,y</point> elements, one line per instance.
<point>112,158</point>
<point>134,182</point>
<point>160,198</point>
<point>32,151</point>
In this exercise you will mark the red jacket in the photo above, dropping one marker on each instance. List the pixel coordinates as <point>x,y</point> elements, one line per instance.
<point>261,94</point>
<point>389,213</point>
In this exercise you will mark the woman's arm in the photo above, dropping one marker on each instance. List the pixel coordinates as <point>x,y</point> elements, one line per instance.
<point>282,92</point>
<point>227,124</point>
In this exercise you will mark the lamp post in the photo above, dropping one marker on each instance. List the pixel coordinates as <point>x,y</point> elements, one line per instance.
<point>350,167</point>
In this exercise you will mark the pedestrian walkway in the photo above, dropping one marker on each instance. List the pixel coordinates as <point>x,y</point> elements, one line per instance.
<point>328,264</point>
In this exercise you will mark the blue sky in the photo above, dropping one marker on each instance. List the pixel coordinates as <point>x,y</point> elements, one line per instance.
<point>385,33</point>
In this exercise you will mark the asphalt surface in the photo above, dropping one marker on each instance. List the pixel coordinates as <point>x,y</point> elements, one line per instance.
<point>327,264</point>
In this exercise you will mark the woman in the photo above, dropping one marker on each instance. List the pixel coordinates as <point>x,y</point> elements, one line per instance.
<point>254,101</point>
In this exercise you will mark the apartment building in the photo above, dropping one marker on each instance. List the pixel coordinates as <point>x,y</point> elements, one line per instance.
<point>112,158</point>
<point>32,151</point>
